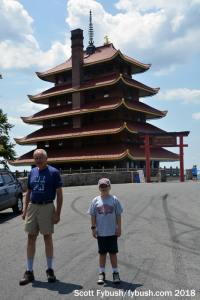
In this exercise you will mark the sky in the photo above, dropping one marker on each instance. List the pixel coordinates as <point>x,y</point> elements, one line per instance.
<point>35,37</point>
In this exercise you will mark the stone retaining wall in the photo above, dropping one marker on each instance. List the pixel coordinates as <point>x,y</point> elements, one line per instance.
<point>189,175</point>
<point>89,178</point>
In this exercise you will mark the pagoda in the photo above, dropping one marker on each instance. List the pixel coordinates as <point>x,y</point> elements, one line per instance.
<point>94,111</point>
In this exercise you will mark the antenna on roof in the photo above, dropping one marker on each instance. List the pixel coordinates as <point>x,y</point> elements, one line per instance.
<point>91,30</point>
<point>91,46</point>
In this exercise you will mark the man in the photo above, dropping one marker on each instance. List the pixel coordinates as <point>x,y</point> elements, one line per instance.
<point>44,183</point>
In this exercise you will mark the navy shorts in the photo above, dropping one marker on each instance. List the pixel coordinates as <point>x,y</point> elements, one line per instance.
<point>107,244</point>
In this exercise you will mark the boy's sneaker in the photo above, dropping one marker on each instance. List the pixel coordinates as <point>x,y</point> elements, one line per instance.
<point>50,275</point>
<point>102,277</point>
<point>28,277</point>
<point>116,278</point>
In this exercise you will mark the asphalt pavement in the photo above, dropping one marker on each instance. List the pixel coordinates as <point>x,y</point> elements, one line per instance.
<point>158,255</point>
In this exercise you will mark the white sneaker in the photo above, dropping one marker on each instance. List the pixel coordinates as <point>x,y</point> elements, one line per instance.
<point>101,279</point>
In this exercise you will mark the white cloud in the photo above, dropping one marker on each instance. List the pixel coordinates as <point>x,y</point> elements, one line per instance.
<point>146,5</point>
<point>39,90</point>
<point>184,95</point>
<point>19,50</point>
<point>30,107</point>
<point>17,122</point>
<point>176,22</point>
<point>196,116</point>
<point>164,33</point>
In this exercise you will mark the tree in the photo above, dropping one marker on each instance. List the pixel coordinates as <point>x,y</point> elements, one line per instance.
<point>0,76</point>
<point>6,147</point>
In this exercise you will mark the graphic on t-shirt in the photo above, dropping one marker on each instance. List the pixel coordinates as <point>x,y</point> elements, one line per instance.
<point>105,209</point>
<point>38,183</point>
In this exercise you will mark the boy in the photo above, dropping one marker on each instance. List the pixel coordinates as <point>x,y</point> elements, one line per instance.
<point>105,211</point>
<point>194,172</point>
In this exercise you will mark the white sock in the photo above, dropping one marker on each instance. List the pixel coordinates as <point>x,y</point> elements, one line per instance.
<point>102,270</point>
<point>30,264</point>
<point>49,262</point>
<point>115,270</point>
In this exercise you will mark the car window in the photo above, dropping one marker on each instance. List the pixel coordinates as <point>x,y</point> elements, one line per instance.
<point>7,178</point>
<point>12,176</point>
<point>1,179</point>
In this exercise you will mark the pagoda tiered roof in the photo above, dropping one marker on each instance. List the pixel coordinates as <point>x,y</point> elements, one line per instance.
<point>101,54</point>
<point>69,98</point>
<point>97,128</point>
<point>93,106</point>
<point>112,151</point>
<point>106,80</point>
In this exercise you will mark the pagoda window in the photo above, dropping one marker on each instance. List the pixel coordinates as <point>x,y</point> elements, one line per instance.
<point>132,164</point>
<point>139,116</point>
<point>136,139</point>
<point>60,143</point>
<point>93,94</point>
<point>130,96</point>
<point>100,69</point>
<point>65,121</point>
<point>67,76</point>
<point>126,70</point>
<point>106,114</point>
<point>69,98</point>
<point>125,112</point>
<point>124,92</point>
<point>109,67</point>
<point>92,118</point>
<point>91,139</point>
<point>108,137</point>
<point>118,67</point>
<point>105,94</point>
<point>85,72</point>
<point>132,115</point>
<point>46,143</point>
<point>53,122</point>
<point>57,102</point>
<point>128,137</point>
<point>60,79</point>
<point>92,71</point>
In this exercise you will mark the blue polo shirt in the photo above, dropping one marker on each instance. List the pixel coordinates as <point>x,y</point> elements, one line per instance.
<point>43,184</point>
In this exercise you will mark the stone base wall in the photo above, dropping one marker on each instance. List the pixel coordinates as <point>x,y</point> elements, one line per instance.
<point>189,175</point>
<point>93,178</point>
<point>163,175</point>
<point>89,178</point>
<point>24,183</point>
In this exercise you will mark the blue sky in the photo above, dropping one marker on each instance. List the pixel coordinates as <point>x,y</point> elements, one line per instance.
<point>35,36</point>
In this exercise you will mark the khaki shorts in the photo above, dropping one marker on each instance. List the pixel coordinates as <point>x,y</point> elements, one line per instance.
<point>39,218</point>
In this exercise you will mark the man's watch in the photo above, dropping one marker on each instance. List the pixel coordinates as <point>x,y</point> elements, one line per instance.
<point>93,227</point>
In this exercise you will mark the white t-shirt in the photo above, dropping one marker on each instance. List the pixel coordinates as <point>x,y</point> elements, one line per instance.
<point>106,211</point>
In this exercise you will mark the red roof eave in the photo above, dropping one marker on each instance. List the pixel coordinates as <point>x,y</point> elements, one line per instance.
<point>113,151</point>
<point>95,83</point>
<point>98,128</point>
<point>101,54</point>
<point>92,106</point>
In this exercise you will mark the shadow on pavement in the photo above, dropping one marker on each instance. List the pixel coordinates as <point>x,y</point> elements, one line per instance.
<point>6,216</point>
<point>61,287</point>
<point>122,285</point>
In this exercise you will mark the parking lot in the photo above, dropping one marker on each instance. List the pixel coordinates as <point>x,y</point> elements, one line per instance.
<point>158,251</point>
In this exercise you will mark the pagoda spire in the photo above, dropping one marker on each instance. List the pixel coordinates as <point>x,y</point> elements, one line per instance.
<point>91,46</point>
<point>91,31</point>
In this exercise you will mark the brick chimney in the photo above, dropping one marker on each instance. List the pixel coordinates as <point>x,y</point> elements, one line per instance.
<point>77,70</point>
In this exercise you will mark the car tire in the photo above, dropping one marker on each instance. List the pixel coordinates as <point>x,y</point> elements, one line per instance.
<point>18,208</point>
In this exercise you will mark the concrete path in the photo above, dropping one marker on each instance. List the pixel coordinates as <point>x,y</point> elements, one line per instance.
<point>158,249</point>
